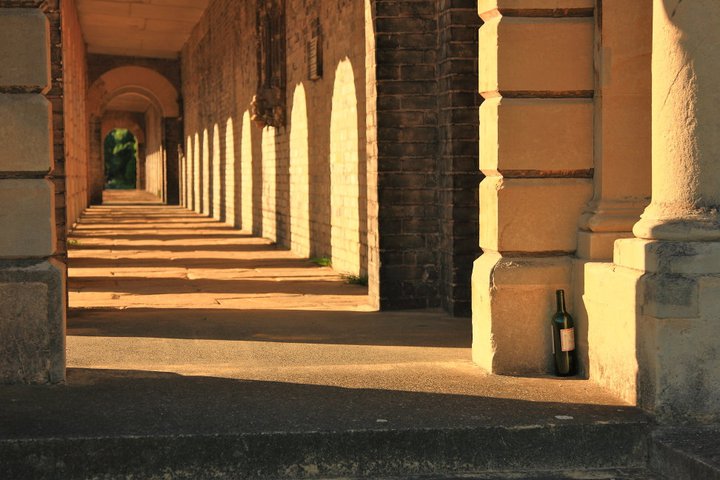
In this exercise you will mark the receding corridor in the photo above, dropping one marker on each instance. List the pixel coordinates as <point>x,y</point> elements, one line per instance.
<point>160,288</point>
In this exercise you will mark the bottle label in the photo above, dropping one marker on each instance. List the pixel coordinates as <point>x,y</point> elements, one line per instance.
<point>567,339</point>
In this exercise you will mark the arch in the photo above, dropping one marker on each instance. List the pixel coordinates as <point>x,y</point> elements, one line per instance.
<point>113,120</point>
<point>345,231</point>
<point>145,81</point>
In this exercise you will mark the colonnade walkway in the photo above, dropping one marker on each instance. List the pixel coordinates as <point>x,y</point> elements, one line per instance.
<point>195,349</point>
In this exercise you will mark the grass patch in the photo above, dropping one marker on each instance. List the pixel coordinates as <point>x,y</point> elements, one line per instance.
<point>322,261</point>
<point>355,279</point>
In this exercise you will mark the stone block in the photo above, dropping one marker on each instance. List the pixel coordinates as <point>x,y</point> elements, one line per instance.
<point>25,49</point>
<point>675,258</point>
<point>612,302</point>
<point>25,133</point>
<point>512,337</point>
<point>27,224</point>
<point>547,56</point>
<point>679,376</point>
<point>534,134</point>
<point>32,322</point>
<point>531,215</point>
<point>598,246</point>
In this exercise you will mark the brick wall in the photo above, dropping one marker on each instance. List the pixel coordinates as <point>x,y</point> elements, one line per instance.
<point>244,173</point>
<point>385,185</point>
<point>74,113</point>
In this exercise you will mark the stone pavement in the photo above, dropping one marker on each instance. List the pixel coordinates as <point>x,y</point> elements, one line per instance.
<point>198,351</point>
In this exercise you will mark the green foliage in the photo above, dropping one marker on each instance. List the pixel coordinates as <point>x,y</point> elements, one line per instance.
<point>120,150</point>
<point>356,279</point>
<point>322,261</point>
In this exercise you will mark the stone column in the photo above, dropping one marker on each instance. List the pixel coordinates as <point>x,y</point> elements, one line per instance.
<point>666,280</point>
<point>621,147</point>
<point>536,75</point>
<point>686,142</point>
<point>623,46</point>
<point>32,280</point>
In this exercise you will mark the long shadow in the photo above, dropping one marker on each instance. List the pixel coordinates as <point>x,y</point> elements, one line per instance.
<point>419,329</point>
<point>209,263</point>
<point>240,286</point>
<point>97,403</point>
<point>178,248</point>
<point>155,226</point>
<point>160,236</point>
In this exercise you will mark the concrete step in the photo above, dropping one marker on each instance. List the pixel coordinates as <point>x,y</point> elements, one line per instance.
<point>604,474</point>
<point>687,453</point>
<point>364,453</point>
<point>148,425</point>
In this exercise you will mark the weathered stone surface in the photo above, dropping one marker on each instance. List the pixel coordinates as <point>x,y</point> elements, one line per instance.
<point>25,133</point>
<point>536,55</point>
<point>536,135</point>
<point>504,326</point>
<point>612,303</point>
<point>32,322</point>
<point>531,215</point>
<point>25,49</point>
<point>27,227</point>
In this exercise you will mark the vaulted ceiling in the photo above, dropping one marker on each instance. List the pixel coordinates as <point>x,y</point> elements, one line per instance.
<point>146,28</point>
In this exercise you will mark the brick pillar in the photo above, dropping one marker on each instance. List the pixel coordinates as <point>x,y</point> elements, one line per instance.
<point>32,282</point>
<point>96,163</point>
<point>459,174</point>
<point>406,139</point>
<point>536,75</point>
<point>173,139</point>
<point>140,170</point>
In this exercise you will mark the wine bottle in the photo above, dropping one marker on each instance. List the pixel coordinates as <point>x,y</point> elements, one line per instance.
<point>563,338</point>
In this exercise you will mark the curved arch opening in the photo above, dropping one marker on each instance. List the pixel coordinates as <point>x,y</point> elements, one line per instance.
<point>120,149</point>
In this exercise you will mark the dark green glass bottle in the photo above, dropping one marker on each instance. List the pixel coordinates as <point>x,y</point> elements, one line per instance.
<point>563,336</point>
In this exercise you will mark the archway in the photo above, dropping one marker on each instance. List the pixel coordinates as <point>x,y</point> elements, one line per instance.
<point>146,103</point>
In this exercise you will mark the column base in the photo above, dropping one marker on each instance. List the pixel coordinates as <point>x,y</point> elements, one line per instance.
<point>657,310</point>
<point>32,326</point>
<point>513,300</point>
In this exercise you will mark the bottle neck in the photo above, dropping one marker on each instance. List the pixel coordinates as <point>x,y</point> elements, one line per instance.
<point>560,298</point>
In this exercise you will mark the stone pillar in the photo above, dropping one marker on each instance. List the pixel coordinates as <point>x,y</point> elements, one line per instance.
<point>32,281</point>
<point>623,46</point>
<point>667,279</point>
<point>622,143</point>
<point>536,75</point>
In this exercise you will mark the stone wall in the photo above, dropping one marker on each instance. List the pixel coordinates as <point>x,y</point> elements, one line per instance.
<point>74,113</point>
<point>32,246</point>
